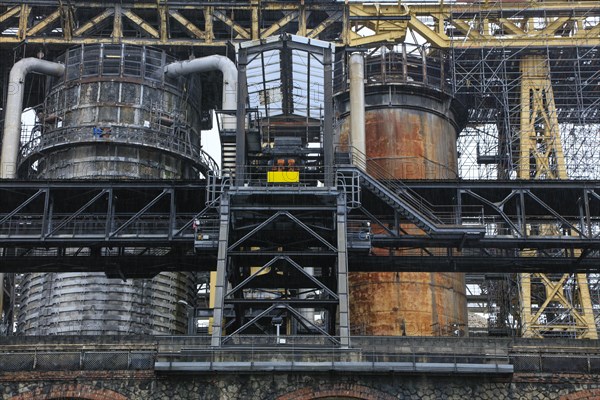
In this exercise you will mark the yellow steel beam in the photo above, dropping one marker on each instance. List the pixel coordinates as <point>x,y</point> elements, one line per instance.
<point>43,24</point>
<point>209,34</point>
<point>145,26</point>
<point>541,157</point>
<point>11,12</point>
<point>164,23</point>
<point>393,37</point>
<point>551,28</point>
<point>540,136</point>
<point>290,16</point>
<point>480,25</point>
<point>326,23</point>
<point>187,25</point>
<point>67,21</point>
<point>117,32</point>
<point>510,26</point>
<point>436,39</point>
<point>126,40</point>
<point>23,22</point>
<point>255,30</point>
<point>92,23</point>
<point>237,28</point>
<point>302,21</point>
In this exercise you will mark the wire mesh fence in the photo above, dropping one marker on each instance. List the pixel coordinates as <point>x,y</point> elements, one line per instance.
<point>77,360</point>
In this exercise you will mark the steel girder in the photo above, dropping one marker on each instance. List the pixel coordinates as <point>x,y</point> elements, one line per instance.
<point>275,287</point>
<point>210,23</point>
<point>136,228</point>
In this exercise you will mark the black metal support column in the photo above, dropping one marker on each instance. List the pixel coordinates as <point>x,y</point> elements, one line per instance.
<point>240,141</point>
<point>221,284</point>
<point>328,118</point>
<point>342,272</point>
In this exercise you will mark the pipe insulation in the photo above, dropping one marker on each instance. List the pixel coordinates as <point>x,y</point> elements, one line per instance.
<point>14,109</point>
<point>12,122</point>
<point>212,63</point>
<point>357,105</point>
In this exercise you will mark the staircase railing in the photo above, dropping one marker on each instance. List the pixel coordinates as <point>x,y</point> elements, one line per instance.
<point>409,196</point>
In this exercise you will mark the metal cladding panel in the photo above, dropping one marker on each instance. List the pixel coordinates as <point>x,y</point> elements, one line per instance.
<point>113,116</point>
<point>92,304</point>
<point>113,109</point>
<point>286,81</point>
<point>410,136</point>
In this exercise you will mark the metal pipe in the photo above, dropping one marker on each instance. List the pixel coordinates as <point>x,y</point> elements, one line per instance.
<point>14,109</point>
<point>12,123</point>
<point>357,105</point>
<point>212,63</point>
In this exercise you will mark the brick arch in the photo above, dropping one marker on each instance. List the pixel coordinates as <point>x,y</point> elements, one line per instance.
<point>590,394</point>
<point>343,390</point>
<point>74,391</point>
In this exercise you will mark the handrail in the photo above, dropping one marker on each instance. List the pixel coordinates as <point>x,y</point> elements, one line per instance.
<point>376,171</point>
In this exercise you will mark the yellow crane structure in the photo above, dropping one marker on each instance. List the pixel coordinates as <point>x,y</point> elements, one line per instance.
<point>351,23</point>
<point>541,156</point>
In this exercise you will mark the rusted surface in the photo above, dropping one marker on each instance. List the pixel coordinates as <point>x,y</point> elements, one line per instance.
<point>410,142</point>
<point>407,303</point>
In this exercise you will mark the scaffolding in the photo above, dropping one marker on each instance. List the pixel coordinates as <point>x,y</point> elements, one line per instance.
<point>533,114</point>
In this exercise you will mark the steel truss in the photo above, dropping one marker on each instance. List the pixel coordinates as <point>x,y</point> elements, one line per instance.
<point>79,226</point>
<point>533,115</point>
<point>209,23</point>
<point>282,260</point>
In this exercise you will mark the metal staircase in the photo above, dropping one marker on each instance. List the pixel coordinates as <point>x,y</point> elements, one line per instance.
<point>227,154</point>
<point>405,202</point>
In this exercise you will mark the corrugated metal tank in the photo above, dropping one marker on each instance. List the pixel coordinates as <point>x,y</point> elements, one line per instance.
<point>112,116</point>
<point>411,129</point>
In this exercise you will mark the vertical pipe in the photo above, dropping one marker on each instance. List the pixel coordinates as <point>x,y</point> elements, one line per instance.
<point>357,105</point>
<point>14,109</point>
<point>12,122</point>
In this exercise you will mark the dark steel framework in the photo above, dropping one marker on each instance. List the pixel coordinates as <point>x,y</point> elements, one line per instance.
<point>142,227</point>
<point>475,33</point>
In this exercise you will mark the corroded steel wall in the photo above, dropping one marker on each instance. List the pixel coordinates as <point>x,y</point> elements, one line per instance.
<point>411,133</point>
<point>113,116</point>
<point>116,115</point>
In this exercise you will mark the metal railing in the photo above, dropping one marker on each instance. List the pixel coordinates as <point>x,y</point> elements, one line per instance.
<point>412,354</point>
<point>133,136</point>
<point>82,360</point>
<point>438,214</point>
<point>406,63</point>
<point>369,352</point>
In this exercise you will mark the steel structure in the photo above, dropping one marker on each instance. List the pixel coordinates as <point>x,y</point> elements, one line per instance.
<point>206,23</point>
<point>47,218</point>
<point>533,115</point>
<point>488,45</point>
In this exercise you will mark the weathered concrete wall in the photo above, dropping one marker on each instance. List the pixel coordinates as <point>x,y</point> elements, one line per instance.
<point>545,369</point>
<point>121,385</point>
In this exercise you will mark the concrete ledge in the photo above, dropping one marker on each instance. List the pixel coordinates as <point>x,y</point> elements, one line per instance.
<point>408,367</point>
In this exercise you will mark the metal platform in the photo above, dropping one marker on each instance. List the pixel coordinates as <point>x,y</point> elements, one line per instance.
<point>138,228</point>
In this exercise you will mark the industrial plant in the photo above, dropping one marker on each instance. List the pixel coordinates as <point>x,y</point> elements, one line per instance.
<point>299,200</point>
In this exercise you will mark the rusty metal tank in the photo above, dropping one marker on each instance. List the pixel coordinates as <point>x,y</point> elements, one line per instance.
<point>412,123</point>
<point>114,115</point>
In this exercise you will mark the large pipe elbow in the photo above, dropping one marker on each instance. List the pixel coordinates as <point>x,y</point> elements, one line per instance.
<point>212,63</point>
<point>14,109</point>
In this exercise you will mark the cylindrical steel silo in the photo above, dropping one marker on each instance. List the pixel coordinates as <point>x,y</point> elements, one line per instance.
<point>412,123</point>
<point>114,115</point>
